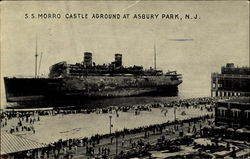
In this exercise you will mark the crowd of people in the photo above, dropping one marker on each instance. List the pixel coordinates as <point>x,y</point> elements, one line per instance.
<point>10,113</point>
<point>23,121</point>
<point>95,146</point>
<point>26,119</point>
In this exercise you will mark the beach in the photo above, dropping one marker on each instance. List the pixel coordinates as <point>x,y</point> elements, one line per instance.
<point>51,128</point>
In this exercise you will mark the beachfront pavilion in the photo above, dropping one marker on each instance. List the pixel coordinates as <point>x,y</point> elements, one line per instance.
<point>233,113</point>
<point>13,146</point>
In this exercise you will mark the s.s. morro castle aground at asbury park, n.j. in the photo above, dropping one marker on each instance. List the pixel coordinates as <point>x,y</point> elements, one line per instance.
<point>72,83</point>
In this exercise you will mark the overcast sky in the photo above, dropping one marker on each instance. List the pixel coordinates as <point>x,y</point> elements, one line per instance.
<point>221,35</point>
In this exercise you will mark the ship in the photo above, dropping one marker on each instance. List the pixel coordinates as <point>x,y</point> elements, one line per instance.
<point>72,84</point>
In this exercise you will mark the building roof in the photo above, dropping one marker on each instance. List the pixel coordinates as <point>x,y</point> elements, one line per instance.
<point>11,144</point>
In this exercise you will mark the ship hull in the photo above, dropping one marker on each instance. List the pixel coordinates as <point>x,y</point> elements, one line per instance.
<point>75,91</point>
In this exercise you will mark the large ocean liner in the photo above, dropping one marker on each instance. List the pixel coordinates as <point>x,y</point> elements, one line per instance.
<point>72,84</point>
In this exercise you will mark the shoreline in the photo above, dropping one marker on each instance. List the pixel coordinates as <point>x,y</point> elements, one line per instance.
<point>173,100</point>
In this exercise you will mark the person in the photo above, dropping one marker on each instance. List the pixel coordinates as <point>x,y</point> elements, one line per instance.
<point>93,151</point>
<point>111,140</point>
<point>64,151</point>
<point>56,153</point>
<point>45,155</point>
<point>39,153</point>
<point>87,149</point>
<point>108,150</point>
<point>228,146</point>
<point>102,150</point>
<point>122,143</point>
<point>233,154</point>
<point>29,154</point>
<point>75,149</point>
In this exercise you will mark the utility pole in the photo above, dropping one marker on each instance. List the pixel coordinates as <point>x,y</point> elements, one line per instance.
<point>38,72</point>
<point>174,113</point>
<point>110,124</point>
<point>116,144</point>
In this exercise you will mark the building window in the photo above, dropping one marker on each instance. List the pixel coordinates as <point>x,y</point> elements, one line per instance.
<point>219,85</point>
<point>222,111</point>
<point>235,112</point>
<point>214,85</point>
<point>247,114</point>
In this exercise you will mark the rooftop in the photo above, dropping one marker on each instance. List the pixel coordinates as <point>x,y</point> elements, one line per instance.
<point>12,143</point>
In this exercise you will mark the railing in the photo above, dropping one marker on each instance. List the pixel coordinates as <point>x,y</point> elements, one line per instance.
<point>229,75</point>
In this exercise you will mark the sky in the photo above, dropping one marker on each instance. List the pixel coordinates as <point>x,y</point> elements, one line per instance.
<point>219,36</point>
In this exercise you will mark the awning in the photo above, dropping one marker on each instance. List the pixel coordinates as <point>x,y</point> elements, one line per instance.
<point>235,109</point>
<point>217,128</point>
<point>11,144</point>
<point>239,131</point>
<point>246,130</point>
<point>206,127</point>
<point>223,126</point>
<point>230,129</point>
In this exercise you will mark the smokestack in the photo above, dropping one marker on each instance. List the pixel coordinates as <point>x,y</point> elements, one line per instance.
<point>118,60</point>
<point>87,60</point>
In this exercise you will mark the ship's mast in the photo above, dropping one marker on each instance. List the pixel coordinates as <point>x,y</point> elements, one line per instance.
<point>36,60</point>
<point>41,55</point>
<point>155,56</point>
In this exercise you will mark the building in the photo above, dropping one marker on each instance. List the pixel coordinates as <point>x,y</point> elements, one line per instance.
<point>16,147</point>
<point>232,81</point>
<point>234,113</point>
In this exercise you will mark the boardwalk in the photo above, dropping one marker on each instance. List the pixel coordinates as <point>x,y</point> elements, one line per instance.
<point>130,141</point>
